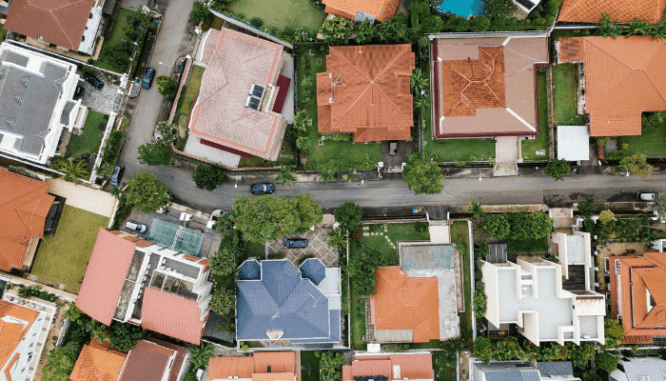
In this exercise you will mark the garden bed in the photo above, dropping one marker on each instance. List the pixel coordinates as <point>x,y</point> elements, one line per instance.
<point>541,141</point>
<point>460,236</point>
<point>565,95</point>
<point>116,36</point>
<point>89,141</point>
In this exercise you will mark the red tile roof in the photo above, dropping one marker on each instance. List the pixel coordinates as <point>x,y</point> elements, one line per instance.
<point>235,61</point>
<point>103,282</point>
<point>624,11</point>
<point>172,315</point>
<point>146,362</point>
<point>411,366</point>
<point>280,362</point>
<point>365,91</point>
<point>381,9</point>
<point>60,22</point>
<point>283,366</point>
<point>178,363</point>
<point>97,362</point>
<point>24,205</point>
<point>614,68</point>
<point>225,367</point>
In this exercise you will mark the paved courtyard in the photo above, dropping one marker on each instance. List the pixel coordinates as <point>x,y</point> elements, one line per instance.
<point>316,245</point>
<point>99,100</point>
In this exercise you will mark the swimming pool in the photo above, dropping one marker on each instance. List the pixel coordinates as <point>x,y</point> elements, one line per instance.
<point>462,7</point>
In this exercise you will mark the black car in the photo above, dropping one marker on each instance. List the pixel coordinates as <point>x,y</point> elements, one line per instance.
<point>295,243</point>
<point>117,174</point>
<point>78,92</point>
<point>93,81</point>
<point>263,188</point>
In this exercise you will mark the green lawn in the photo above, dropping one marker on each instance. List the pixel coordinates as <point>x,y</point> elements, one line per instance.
<point>650,142</point>
<point>439,367</point>
<point>116,35</point>
<point>357,314</point>
<point>309,366</point>
<point>190,91</point>
<point>541,141</point>
<point>64,258</point>
<point>89,141</point>
<point>296,14</point>
<point>253,249</point>
<point>564,94</point>
<point>460,236</point>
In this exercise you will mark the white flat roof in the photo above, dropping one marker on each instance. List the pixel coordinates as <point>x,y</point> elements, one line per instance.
<point>573,143</point>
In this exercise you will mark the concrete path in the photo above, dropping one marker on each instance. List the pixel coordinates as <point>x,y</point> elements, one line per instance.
<point>82,197</point>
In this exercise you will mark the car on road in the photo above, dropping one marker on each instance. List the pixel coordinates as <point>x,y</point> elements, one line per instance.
<point>295,243</point>
<point>116,175</point>
<point>136,226</point>
<point>262,188</point>
<point>647,196</point>
<point>93,81</point>
<point>393,148</point>
<point>148,78</point>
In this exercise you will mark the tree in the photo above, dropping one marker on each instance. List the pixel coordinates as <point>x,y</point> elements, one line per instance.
<point>608,27</point>
<point>308,212</point>
<point>336,238</point>
<point>331,366</point>
<point>458,23</point>
<point>394,30</point>
<point>479,24</point>
<point>300,122</point>
<point>208,177</point>
<point>423,176</point>
<point>201,355</point>
<point>606,216</point>
<point>365,32</point>
<point>348,215</point>
<point>480,299</point>
<point>557,168</point>
<point>613,332</point>
<point>124,336</point>
<point>483,349</point>
<point>499,9</point>
<point>155,154</point>
<point>168,131</point>
<point>286,175</point>
<point>421,101</point>
<point>60,363</point>
<point>146,193</point>
<point>361,270</point>
<point>586,208</point>
<point>199,12</point>
<point>303,143</point>
<point>73,170</point>
<point>497,226</point>
<point>337,31</point>
<point>637,27</point>
<point>607,362</point>
<point>660,205</point>
<point>166,86</point>
<point>637,165</point>
<point>476,209</point>
<point>224,262</point>
<point>418,82</point>
<point>223,302</point>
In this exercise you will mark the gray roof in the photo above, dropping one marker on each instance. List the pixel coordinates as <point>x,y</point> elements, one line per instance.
<point>513,375</point>
<point>64,118</point>
<point>517,371</point>
<point>427,256</point>
<point>555,368</point>
<point>653,367</point>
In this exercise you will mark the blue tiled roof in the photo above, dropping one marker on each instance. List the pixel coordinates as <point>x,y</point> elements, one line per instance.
<point>314,270</point>
<point>250,270</point>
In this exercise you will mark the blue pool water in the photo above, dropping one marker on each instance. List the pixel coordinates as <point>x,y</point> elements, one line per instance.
<point>462,7</point>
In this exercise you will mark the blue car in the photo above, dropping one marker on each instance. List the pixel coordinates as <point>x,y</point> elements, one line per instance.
<point>148,78</point>
<point>295,243</point>
<point>264,188</point>
<point>117,174</point>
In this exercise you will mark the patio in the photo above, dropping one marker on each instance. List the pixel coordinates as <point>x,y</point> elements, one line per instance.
<point>316,245</point>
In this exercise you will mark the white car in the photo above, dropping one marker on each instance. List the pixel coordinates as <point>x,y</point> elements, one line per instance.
<point>136,226</point>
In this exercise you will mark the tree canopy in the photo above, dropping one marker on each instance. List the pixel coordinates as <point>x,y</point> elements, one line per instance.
<point>637,165</point>
<point>146,193</point>
<point>557,168</point>
<point>361,270</point>
<point>166,86</point>
<point>208,177</point>
<point>155,154</point>
<point>518,226</point>
<point>348,215</point>
<point>422,176</point>
<point>60,363</point>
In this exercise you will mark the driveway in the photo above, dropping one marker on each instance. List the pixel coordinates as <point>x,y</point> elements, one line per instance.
<point>316,246</point>
<point>99,100</point>
<point>404,150</point>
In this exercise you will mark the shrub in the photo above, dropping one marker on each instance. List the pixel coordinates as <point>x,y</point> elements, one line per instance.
<point>256,21</point>
<point>166,86</point>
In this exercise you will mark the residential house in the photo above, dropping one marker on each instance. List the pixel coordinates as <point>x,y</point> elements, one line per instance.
<point>259,366</point>
<point>70,24</point>
<point>365,90</point>
<point>527,6</point>
<point>639,369</point>
<point>637,296</point>
<point>547,301</point>
<point>24,206</point>
<point>280,305</point>
<point>416,301</point>
<point>389,366</point>
<point>521,371</point>
<point>362,10</point>
<point>132,280</point>
<point>36,103</point>
<point>613,68</point>
<point>590,11</point>
<point>239,111</point>
<point>24,330</point>
<point>98,362</point>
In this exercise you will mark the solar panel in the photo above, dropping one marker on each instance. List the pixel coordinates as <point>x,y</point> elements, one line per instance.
<point>257,91</point>
<point>254,103</point>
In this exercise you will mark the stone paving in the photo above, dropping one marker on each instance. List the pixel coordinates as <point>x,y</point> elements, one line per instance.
<point>316,245</point>
<point>367,233</point>
<point>99,100</point>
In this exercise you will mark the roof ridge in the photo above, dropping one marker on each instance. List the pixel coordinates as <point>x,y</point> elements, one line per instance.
<point>631,70</point>
<point>663,97</point>
<point>57,19</point>
<point>384,94</point>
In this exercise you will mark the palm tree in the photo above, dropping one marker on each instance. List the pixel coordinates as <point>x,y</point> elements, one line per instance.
<point>336,238</point>
<point>286,176</point>
<point>476,209</point>
<point>223,303</point>
<point>417,82</point>
<point>201,354</point>
<point>73,170</point>
<point>420,102</point>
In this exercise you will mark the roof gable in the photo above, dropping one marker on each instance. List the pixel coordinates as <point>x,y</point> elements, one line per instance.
<point>97,362</point>
<point>590,11</point>
<point>146,362</point>
<point>172,315</point>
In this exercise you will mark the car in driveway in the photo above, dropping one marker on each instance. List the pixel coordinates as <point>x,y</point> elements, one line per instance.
<point>295,243</point>
<point>148,78</point>
<point>647,196</point>
<point>393,148</point>
<point>136,226</point>
<point>262,188</point>
<point>116,175</point>
<point>94,81</point>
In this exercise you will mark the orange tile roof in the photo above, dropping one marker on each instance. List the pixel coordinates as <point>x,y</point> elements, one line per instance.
<point>225,367</point>
<point>381,9</point>
<point>235,61</point>
<point>365,91</point>
<point>172,315</point>
<point>105,276</point>
<point>412,366</point>
<point>59,22</point>
<point>97,363</point>
<point>283,366</point>
<point>614,68</point>
<point>12,333</point>
<point>280,362</point>
<point>406,303</point>
<point>273,376</point>
<point>147,361</point>
<point>24,205</point>
<point>624,11</point>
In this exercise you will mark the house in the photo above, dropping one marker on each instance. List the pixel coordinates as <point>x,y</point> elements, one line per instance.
<point>23,331</point>
<point>590,11</point>
<point>527,6</point>
<point>521,371</point>
<point>149,360</point>
<point>389,366</point>
<point>239,111</point>
<point>533,295</point>
<point>362,10</point>
<point>280,305</point>
<point>259,366</point>
<point>417,301</point>
<point>639,369</point>
<point>486,86</point>
<point>24,206</point>
<point>636,295</point>
<point>613,68</point>
<point>132,280</point>
<point>365,91</point>
<point>70,24</point>
<point>36,103</point>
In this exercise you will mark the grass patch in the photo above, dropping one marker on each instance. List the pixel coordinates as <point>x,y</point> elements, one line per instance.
<point>64,258</point>
<point>540,142</point>
<point>460,236</point>
<point>527,246</point>
<point>286,157</point>
<point>309,366</point>
<point>253,249</point>
<point>89,141</point>
<point>116,35</point>
<point>297,14</point>
<point>440,368</point>
<point>218,23</point>
<point>650,142</point>
<point>564,94</point>
<point>357,314</point>
<point>190,91</point>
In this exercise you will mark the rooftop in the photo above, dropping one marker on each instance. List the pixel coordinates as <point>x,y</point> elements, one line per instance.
<point>147,361</point>
<point>412,366</point>
<point>255,366</point>
<point>590,11</point>
<point>98,362</point>
<point>380,10</point>
<point>15,321</point>
<point>642,368</point>
<point>176,237</point>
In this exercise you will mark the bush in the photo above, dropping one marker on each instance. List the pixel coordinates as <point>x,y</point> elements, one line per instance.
<point>256,21</point>
<point>303,143</point>
<point>607,361</point>
<point>112,146</point>
<point>208,177</point>
<point>200,13</point>
<point>166,86</point>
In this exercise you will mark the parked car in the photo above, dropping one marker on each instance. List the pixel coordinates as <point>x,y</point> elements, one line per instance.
<point>116,175</point>
<point>295,243</point>
<point>148,78</point>
<point>78,92</point>
<point>647,196</point>
<point>136,226</point>
<point>393,148</point>
<point>93,81</point>
<point>263,188</point>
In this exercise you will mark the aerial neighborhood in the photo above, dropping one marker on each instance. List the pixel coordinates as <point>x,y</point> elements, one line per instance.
<point>332,190</point>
